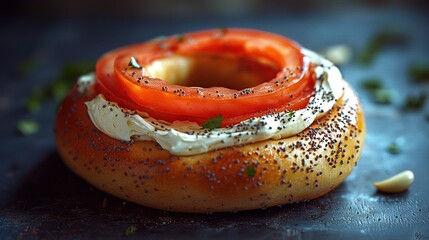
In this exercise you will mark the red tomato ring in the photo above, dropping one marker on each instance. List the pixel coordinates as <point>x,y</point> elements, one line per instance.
<point>290,89</point>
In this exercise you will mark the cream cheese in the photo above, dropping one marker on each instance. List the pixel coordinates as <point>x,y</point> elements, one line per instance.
<point>187,138</point>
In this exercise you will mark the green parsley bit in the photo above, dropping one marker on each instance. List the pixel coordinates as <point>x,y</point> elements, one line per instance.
<point>378,42</point>
<point>213,123</point>
<point>251,171</point>
<point>60,86</point>
<point>372,84</point>
<point>393,148</point>
<point>419,72</point>
<point>415,102</point>
<point>27,127</point>
<point>378,92</point>
<point>71,71</point>
<point>382,96</point>
<point>34,101</point>
<point>69,74</point>
<point>59,89</point>
<point>133,63</point>
<point>130,230</point>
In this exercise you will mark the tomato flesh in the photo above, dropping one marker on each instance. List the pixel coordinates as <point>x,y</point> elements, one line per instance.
<point>165,83</point>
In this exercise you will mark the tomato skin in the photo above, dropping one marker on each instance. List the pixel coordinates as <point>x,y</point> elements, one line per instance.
<point>290,89</point>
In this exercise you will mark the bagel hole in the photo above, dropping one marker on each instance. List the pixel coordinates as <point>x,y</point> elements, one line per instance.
<point>213,70</point>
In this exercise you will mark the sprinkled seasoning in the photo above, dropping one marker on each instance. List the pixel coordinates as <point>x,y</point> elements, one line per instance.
<point>251,171</point>
<point>133,63</point>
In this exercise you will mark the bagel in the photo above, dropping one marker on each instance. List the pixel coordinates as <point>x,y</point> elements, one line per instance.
<point>246,174</point>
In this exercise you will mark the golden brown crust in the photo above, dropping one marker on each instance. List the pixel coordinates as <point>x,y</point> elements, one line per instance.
<point>258,175</point>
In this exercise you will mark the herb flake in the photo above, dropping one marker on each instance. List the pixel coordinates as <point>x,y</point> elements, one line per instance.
<point>60,86</point>
<point>419,72</point>
<point>212,123</point>
<point>130,230</point>
<point>372,84</point>
<point>382,96</point>
<point>34,101</point>
<point>27,127</point>
<point>133,63</point>
<point>379,41</point>
<point>394,148</point>
<point>378,93</point>
<point>251,171</point>
<point>415,102</point>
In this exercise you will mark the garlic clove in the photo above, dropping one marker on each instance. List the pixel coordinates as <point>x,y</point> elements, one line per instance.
<point>398,183</point>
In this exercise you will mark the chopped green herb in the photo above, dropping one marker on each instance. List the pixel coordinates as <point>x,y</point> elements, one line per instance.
<point>130,230</point>
<point>415,102</point>
<point>212,123</point>
<point>27,127</point>
<point>372,84</point>
<point>378,42</point>
<point>59,89</point>
<point>34,101</point>
<point>382,96</point>
<point>378,92</point>
<point>60,86</point>
<point>251,171</point>
<point>393,148</point>
<point>291,113</point>
<point>419,72</point>
<point>69,74</point>
<point>133,63</point>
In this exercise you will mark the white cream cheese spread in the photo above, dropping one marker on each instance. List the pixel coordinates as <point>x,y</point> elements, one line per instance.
<point>187,138</point>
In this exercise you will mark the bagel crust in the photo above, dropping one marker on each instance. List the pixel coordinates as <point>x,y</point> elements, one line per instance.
<point>258,175</point>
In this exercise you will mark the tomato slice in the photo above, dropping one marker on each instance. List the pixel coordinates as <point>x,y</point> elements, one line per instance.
<point>238,54</point>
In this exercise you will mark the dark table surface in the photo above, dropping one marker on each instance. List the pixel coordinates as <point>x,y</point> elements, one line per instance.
<point>41,198</point>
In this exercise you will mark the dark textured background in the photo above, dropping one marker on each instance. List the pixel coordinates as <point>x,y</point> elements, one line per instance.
<point>41,198</point>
